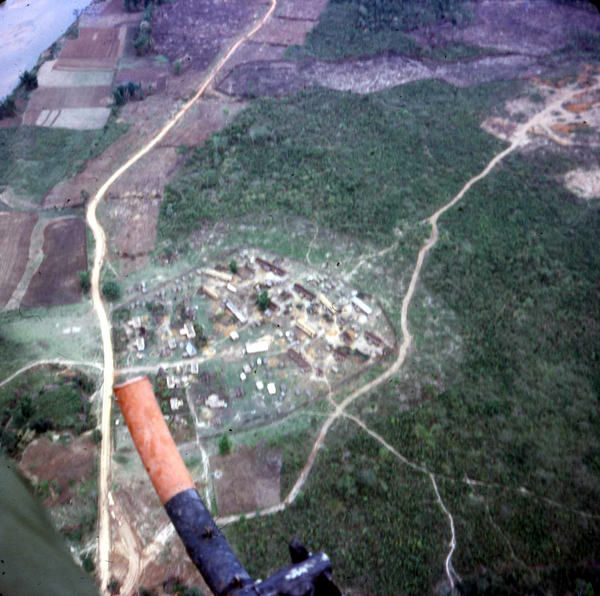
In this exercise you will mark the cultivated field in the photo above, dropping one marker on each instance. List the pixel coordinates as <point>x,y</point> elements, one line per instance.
<point>15,236</point>
<point>65,253</point>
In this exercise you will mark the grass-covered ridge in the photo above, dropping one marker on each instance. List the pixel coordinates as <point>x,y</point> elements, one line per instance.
<point>35,159</point>
<point>360,165</point>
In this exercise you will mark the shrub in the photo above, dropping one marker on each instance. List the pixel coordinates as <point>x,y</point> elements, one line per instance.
<point>97,436</point>
<point>225,444</point>
<point>177,67</point>
<point>88,564</point>
<point>263,300</point>
<point>29,80</point>
<point>8,108</point>
<point>233,266</point>
<point>85,280</point>
<point>111,290</point>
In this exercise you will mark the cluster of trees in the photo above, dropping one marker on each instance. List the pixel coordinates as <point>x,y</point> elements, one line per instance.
<point>62,408</point>
<point>111,290</point>
<point>376,15</point>
<point>144,42</point>
<point>127,91</point>
<point>8,107</point>
<point>360,165</point>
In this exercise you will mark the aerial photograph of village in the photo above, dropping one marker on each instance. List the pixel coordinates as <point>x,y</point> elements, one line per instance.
<point>300,297</point>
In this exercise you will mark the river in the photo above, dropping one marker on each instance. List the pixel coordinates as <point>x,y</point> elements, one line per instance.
<point>27,28</point>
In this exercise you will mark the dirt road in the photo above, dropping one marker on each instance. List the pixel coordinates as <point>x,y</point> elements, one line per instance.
<point>108,377</point>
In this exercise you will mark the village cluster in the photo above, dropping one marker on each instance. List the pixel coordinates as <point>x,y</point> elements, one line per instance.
<point>309,325</point>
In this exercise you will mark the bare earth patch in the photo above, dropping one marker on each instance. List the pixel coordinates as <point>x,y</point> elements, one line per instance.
<point>65,253</point>
<point>247,480</point>
<point>584,183</point>
<point>45,460</point>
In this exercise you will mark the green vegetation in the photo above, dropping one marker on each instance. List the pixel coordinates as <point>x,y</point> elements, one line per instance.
<point>348,28</point>
<point>144,42</point>
<point>177,67</point>
<point>8,108</point>
<point>233,266</point>
<point>28,80</point>
<point>521,274</point>
<point>362,508</point>
<point>583,42</point>
<point>41,400</point>
<point>361,165</point>
<point>111,290</point>
<point>85,280</point>
<point>127,91</point>
<point>35,159</point>
<point>263,300</point>
<point>225,444</point>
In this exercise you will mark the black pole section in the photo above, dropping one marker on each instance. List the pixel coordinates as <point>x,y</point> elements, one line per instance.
<point>205,545</point>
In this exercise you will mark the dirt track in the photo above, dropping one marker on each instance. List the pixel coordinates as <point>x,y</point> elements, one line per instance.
<point>100,238</point>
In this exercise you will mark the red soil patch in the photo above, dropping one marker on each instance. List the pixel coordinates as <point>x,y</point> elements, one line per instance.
<point>249,479</point>
<point>578,108</point>
<point>45,460</point>
<point>283,32</point>
<point>15,236</point>
<point>65,253</point>
<point>71,64</point>
<point>93,43</point>
<point>145,76</point>
<point>568,128</point>
<point>306,10</point>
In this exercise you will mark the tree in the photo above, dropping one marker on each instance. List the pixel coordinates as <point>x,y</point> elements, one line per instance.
<point>225,444</point>
<point>263,300</point>
<point>29,80</point>
<point>233,266</point>
<point>111,290</point>
<point>85,280</point>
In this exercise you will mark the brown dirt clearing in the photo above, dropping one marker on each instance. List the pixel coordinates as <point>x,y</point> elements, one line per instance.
<point>247,479</point>
<point>65,253</point>
<point>45,460</point>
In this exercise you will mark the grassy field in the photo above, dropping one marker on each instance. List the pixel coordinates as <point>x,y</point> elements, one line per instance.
<point>362,508</point>
<point>359,165</point>
<point>35,159</point>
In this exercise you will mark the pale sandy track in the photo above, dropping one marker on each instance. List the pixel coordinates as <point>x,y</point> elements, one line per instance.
<point>100,253</point>
<point>70,363</point>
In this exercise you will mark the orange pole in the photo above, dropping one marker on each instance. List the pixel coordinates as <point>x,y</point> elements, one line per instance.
<point>152,438</point>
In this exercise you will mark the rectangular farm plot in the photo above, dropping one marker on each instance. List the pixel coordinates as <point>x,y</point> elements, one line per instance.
<point>93,43</point>
<point>49,76</point>
<point>72,118</point>
<point>15,237</point>
<point>60,98</point>
<point>247,480</point>
<point>65,253</point>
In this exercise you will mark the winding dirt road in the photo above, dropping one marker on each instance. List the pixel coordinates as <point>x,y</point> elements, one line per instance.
<point>105,329</point>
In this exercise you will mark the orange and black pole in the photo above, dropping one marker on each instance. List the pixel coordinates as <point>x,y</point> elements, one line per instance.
<point>206,546</point>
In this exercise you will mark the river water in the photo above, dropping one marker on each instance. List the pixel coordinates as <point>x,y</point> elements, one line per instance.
<point>27,28</point>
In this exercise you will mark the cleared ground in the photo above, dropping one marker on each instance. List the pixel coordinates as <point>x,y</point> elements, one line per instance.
<point>15,236</point>
<point>65,253</point>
